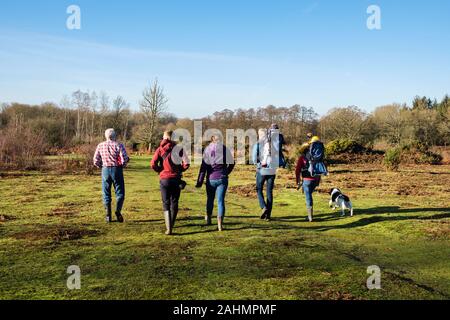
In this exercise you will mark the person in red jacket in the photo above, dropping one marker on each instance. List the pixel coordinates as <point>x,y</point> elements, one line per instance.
<point>170,161</point>
<point>305,181</point>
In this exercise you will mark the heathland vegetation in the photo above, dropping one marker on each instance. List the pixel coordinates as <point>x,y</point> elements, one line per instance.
<point>408,132</point>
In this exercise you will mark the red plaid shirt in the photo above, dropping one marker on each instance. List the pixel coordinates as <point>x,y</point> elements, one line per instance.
<point>110,154</point>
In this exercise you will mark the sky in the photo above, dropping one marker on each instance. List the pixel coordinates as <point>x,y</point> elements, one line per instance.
<point>217,54</point>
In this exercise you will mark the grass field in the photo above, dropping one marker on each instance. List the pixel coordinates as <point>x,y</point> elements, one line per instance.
<point>402,224</point>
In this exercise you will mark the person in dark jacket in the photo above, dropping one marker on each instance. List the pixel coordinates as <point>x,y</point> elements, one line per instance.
<point>306,181</point>
<point>217,164</point>
<point>170,162</point>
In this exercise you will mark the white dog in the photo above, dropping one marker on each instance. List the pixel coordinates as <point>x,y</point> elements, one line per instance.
<point>340,200</point>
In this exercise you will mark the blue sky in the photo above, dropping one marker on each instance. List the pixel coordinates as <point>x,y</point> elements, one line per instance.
<point>211,55</point>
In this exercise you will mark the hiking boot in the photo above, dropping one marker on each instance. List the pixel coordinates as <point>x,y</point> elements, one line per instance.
<point>168,222</point>
<point>108,213</point>
<point>173,217</point>
<point>310,214</point>
<point>208,220</point>
<point>264,214</point>
<point>119,217</point>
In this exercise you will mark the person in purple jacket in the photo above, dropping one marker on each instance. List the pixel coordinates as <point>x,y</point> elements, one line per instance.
<point>217,164</point>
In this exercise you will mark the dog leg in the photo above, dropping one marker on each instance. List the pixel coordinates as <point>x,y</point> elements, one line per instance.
<point>343,210</point>
<point>351,209</point>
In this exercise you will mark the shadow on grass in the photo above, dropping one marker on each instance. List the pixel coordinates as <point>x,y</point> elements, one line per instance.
<point>379,214</point>
<point>396,209</point>
<point>367,221</point>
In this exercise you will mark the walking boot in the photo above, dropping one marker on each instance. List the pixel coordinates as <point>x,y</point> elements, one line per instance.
<point>310,213</point>
<point>264,214</point>
<point>174,213</point>
<point>119,217</point>
<point>108,213</point>
<point>208,220</point>
<point>220,224</point>
<point>168,222</point>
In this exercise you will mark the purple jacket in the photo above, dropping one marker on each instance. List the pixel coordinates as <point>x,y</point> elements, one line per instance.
<point>218,163</point>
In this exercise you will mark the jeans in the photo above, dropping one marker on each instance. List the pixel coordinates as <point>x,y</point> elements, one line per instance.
<point>170,194</point>
<point>113,176</point>
<point>308,187</point>
<point>260,181</point>
<point>216,188</point>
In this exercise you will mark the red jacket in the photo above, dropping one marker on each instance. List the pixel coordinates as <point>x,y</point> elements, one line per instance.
<point>169,168</point>
<point>302,163</point>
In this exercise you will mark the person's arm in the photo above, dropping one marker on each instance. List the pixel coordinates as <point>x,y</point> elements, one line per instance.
<point>123,155</point>
<point>97,158</point>
<point>255,154</point>
<point>185,161</point>
<point>298,170</point>
<point>201,174</point>
<point>154,164</point>
<point>229,159</point>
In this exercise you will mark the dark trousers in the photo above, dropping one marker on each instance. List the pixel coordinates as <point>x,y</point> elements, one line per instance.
<point>170,194</point>
<point>270,183</point>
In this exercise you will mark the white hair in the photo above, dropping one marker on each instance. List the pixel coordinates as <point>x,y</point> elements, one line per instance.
<point>110,134</point>
<point>262,134</point>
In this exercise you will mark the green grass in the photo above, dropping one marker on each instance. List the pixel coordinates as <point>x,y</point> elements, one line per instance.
<point>402,220</point>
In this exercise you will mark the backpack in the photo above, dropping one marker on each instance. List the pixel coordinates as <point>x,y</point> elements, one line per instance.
<point>315,157</point>
<point>316,152</point>
<point>275,147</point>
<point>166,158</point>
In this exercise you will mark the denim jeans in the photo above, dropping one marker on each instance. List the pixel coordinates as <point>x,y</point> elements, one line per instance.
<point>113,176</point>
<point>260,181</point>
<point>308,187</point>
<point>216,188</point>
<point>170,194</point>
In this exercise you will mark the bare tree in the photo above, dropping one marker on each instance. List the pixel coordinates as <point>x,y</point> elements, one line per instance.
<point>152,106</point>
<point>120,114</point>
<point>104,110</point>
<point>93,104</point>
<point>81,102</point>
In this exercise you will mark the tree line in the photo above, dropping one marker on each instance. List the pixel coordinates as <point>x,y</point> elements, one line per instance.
<point>82,117</point>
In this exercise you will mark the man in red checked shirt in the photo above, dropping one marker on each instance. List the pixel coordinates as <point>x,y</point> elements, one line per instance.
<point>112,157</point>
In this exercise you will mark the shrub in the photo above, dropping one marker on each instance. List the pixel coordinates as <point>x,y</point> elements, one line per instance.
<point>21,148</point>
<point>341,146</point>
<point>81,161</point>
<point>418,153</point>
<point>393,158</point>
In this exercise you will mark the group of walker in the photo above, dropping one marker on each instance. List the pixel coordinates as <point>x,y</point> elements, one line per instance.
<point>217,165</point>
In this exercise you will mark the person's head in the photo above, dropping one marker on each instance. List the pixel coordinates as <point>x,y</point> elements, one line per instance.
<point>167,135</point>
<point>309,136</point>
<point>110,134</point>
<point>304,148</point>
<point>274,126</point>
<point>216,138</point>
<point>262,134</point>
